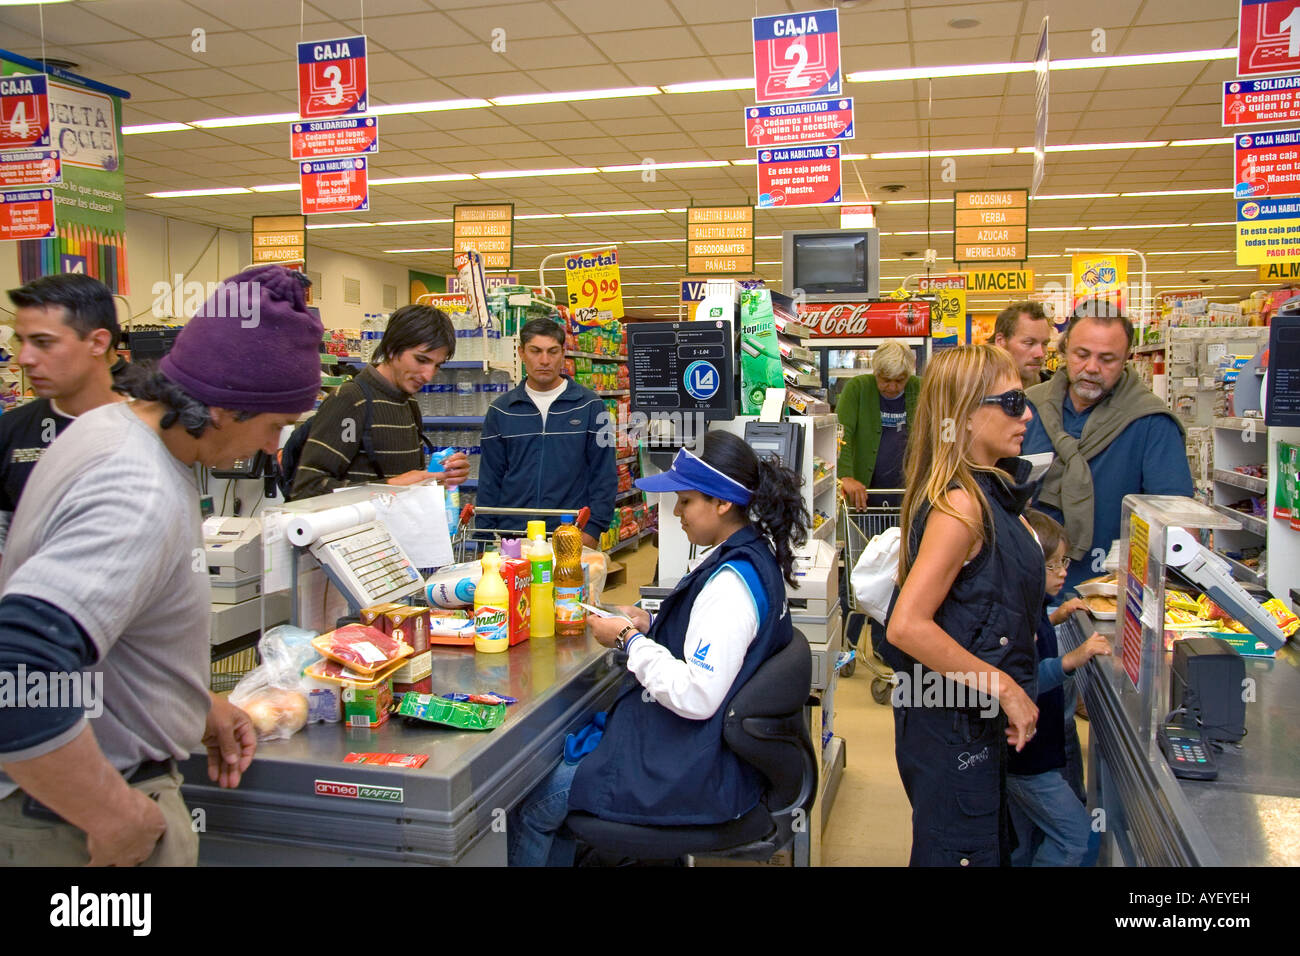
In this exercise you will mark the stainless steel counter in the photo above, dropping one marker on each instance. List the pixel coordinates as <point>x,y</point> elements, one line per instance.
<point>1249,816</point>
<point>452,809</point>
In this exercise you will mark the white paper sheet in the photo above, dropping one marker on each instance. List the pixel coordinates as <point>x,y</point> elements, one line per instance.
<point>417,520</point>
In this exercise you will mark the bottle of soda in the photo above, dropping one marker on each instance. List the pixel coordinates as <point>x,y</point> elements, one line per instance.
<point>570,618</point>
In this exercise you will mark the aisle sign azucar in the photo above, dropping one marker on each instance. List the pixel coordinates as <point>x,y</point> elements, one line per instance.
<point>812,121</point>
<point>332,77</point>
<point>1268,37</point>
<point>27,214</point>
<point>797,55</point>
<point>30,167</point>
<point>592,277</point>
<point>1272,100</point>
<point>799,176</point>
<point>1268,230</point>
<point>1267,164</point>
<point>334,185</point>
<point>24,112</point>
<point>347,136</point>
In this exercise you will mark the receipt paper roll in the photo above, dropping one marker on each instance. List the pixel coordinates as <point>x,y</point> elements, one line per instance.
<point>306,529</point>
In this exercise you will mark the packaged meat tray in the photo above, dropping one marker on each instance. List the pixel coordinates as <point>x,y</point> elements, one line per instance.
<point>336,673</point>
<point>361,649</point>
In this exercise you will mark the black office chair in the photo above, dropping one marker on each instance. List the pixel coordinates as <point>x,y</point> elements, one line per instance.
<point>765,727</point>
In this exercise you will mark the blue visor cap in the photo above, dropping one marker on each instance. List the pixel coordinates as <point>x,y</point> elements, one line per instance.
<point>691,473</point>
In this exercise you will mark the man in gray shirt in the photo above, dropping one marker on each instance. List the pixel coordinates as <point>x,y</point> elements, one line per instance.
<point>104,595</point>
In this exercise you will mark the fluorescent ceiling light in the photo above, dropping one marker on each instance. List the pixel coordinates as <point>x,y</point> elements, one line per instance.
<point>1056,228</point>
<point>411,222</point>
<point>744,162</point>
<point>1089,147</point>
<point>1076,196</point>
<point>399,251</point>
<point>1147,225</point>
<point>926,72</point>
<point>277,188</point>
<point>678,266</point>
<point>525,173</point>
<point>615,212</point>
<point>1001,69</point>
<point>429,106</point>
<point>1145,59</point>
<point>1180,192</point>
<point>1195,252</point>
<point>922,153</point>
<point>577,96</point>
<point>647,242</point>
<point>1216,141</point>
<point>155,128</point>
<point>542,215</point>
<point>407,180</point>
<point>640,167</point>
<point>900,202</point>
<point>180,193</point>
<point>340,225</point>
<point>1232,223</point>
<point>710,86</point>
<point>224,122</point>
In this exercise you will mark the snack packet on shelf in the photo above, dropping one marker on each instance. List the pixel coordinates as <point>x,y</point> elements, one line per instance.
<point>461,715</point>
<point>412,761</point>
<point>1287,621</point>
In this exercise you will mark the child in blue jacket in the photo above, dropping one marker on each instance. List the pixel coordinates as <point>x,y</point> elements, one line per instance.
<point>1037,789</point>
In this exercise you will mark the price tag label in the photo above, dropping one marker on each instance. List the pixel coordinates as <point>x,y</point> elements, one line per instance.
<point>595,292</point>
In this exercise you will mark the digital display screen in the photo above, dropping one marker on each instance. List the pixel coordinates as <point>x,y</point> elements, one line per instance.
<point>831,263</point>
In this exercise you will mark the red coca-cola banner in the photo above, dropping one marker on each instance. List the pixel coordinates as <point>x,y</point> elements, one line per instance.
<point>850,320</point>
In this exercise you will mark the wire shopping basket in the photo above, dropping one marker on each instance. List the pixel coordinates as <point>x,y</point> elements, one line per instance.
<point>470,541</point>
<point>859,527</point>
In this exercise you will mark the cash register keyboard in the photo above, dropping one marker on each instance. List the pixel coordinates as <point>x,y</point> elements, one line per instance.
<point>369,564</point>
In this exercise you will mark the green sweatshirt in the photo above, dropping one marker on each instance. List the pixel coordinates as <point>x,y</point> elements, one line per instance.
<point>859,413</point>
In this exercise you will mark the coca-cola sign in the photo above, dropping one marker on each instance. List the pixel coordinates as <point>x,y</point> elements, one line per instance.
<point>850,320</point>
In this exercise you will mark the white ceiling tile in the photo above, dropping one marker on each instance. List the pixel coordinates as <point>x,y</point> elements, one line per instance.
<point>200,83</point>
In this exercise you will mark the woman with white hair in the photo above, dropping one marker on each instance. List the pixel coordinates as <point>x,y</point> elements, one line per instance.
<point>877,411</point>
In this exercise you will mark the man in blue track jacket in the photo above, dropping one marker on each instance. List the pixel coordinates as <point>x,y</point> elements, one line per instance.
<point>547,443</point>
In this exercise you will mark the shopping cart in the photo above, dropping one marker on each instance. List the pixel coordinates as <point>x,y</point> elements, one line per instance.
<point>470,541</point>
<point>859,527</point>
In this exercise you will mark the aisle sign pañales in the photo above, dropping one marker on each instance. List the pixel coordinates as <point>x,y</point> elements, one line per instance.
<point>332,77</point>
<point>1268,37</point>
<point>991,225</point>
<point>797,55</point>
<point>334,185</point>
<point>24,112</point>
<point>799,176</point>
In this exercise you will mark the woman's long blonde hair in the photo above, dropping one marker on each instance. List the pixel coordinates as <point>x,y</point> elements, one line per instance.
<point>938,448</point>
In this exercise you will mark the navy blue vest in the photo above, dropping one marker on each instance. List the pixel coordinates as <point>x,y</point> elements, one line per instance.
<point>1046,751</point>
<point>658,769</point>
<point>993,606</point>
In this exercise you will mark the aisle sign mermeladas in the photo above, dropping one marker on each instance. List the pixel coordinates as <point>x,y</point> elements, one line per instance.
<point>797,55</point>
<point>24,112</point>
<point>332,77</point>
<point>595,295</point>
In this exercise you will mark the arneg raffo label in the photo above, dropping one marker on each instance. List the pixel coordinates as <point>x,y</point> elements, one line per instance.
<point>359,791</point>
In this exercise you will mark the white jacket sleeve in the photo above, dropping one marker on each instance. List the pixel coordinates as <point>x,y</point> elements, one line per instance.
<point>724,622</point>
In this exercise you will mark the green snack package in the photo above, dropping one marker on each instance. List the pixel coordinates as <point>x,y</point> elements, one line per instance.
<point>1284,501</point>
<point>760,350</point>
<point>453,713</point>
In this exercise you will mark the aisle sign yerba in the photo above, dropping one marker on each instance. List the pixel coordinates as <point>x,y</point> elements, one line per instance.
<point>489,228</point>
<point>332,77</point>
<point>720,240</point>
<point>991,225</point>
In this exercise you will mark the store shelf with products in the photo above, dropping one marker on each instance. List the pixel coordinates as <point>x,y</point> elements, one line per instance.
<point>1256,486</point>
<point>1249,523</point>
<point>633,540</point>
<point>595,356</point>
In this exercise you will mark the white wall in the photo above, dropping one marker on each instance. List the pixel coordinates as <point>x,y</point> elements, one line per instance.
<point>160,248</point>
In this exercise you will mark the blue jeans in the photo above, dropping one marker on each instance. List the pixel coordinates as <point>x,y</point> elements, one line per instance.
<point>1046,801</point>
<point>532,826</point>
<point>1073,748</point>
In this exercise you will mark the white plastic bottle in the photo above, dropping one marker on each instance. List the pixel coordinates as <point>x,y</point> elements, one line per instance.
<point>466,403</point>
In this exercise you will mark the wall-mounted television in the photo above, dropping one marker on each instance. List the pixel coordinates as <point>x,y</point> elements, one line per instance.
<point>831,264</point>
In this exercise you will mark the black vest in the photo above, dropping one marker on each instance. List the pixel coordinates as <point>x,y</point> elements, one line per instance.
<point>993,606</point>
<point>658,769</point>
<point>1046,749</point>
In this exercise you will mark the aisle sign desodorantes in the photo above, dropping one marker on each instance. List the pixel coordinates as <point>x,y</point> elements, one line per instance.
<point>797,55</point>
<point>720,240</point>
<point>799,176</point>
<point>1268,230</point>
<point>1267,163</point>
<point>334,185</point>
<point>332,77</point>
<point>811,121</point>
<point>487,227</point>
<point>991,225</point>
<point>1100,276</point>
<point>1272,100</point>
<point>84,120</point>
<point>592,278</point>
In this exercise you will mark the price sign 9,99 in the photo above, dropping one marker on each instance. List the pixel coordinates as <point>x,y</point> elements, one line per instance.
<point>592,279</point>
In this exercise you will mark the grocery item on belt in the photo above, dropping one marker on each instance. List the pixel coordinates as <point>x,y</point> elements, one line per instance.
<point>361,649</point>
<point>1184,602</point>
<point>335,673</point>
<point>276,713</point>
<point>462,715</point>
<point>373,616</point>
<point>453,586</point>
<point>1287,621</point>
<point>489,698</point>
<point>409,625</point>
<point>367,707</point>
<point>388,760</point>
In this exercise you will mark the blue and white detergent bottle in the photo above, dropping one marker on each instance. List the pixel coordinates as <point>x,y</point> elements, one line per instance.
<point>437,462</point>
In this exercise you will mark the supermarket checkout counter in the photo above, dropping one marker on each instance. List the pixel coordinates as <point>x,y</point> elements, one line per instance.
<point>449,812</point>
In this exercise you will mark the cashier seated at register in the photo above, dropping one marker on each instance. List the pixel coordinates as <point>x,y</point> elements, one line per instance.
<point>417,340</point>
<point>661,759</point>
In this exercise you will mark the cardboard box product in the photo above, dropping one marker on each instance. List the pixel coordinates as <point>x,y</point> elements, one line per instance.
<point>367,707</point>
<point>760,350</point>
<point>422,686</point>
<point>414,668</point>
<point>409,624</point>
<point>518,575</point>
<point>374,616</point>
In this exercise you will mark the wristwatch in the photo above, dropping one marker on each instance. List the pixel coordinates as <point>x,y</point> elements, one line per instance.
<point>621,641</point>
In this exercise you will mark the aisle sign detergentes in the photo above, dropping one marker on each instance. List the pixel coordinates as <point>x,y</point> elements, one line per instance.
<point>332,77</point>
<point>797,55</point>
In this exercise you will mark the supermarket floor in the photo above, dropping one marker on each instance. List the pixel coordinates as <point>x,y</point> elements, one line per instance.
<point>871,821</point>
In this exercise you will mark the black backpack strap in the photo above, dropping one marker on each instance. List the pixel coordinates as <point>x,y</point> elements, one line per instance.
<point>367,425</point>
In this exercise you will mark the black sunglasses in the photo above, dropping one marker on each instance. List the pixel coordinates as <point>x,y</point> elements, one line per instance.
<point>1012,402</point>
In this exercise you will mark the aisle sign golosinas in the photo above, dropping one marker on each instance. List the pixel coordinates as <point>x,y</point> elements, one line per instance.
<point>592,279</point>
<point>797,55</point>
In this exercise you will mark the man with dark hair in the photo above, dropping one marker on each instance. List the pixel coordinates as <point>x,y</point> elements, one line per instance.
<point>104,591</point>
<point>341,451</point>
<point>1112,437</point>
<point>66,330</point>
<point>1023,331</point>
<point>543,445</point>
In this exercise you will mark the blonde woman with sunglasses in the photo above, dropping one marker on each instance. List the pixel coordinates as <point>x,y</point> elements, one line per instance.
<point>961,631</point>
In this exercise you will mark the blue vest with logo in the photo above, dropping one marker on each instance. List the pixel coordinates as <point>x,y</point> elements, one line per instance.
<point>658,769</point>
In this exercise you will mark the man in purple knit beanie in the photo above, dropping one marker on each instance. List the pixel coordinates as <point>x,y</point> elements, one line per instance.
<point>104,585</point>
